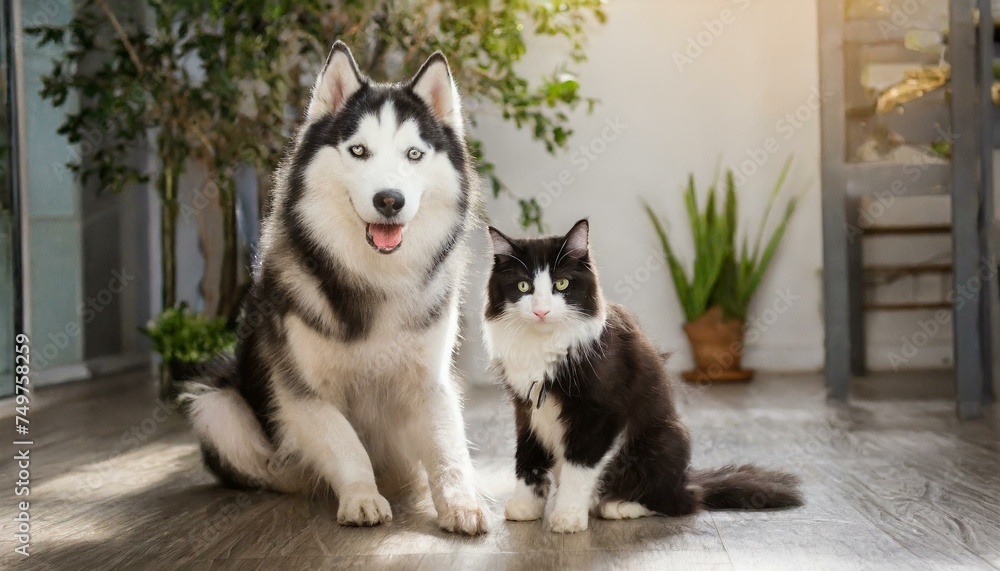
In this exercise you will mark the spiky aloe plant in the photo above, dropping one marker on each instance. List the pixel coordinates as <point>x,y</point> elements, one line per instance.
<point>724,275</point>
<point>711,249</point>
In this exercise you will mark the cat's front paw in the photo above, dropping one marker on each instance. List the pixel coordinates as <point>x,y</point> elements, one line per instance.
<point>467,518</point>
<point>569,521</point>
<point>617,509</point>
<point>524,508</point>
<point>363,508</point>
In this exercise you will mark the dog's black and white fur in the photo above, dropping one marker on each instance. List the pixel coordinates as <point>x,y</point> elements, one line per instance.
<point>593,404</point>
<point>342,376</point>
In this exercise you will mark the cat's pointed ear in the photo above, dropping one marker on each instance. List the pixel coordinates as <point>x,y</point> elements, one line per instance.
<point>578,239</point>
<point>339,80</point>
<point>502,245</point>
<point>435,85</point>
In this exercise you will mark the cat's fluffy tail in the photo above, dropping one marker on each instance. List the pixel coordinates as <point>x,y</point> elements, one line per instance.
<point>745,487</point>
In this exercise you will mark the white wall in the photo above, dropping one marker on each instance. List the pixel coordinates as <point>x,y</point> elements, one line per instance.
<point>737,95</point>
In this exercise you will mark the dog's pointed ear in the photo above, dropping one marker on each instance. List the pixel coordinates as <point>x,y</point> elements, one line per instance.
<point>502,246</point>
<point>578,239</point>
<point>339,80</point>
<point>435,85</point>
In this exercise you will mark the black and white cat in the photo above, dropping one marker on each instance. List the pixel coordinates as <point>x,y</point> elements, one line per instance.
<point>593,404</point>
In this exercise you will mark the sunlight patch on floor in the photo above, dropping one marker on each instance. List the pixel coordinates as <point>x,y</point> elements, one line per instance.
<point>134,471</point>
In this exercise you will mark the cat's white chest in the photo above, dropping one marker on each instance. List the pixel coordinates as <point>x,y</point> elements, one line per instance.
<point>527,357</point>
<point>525,368</point>
<point>548,427</point>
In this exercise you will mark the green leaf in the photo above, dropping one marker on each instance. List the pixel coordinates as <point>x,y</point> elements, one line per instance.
<point>770,202</point>
<point>677,273</point>
<point>757,273</point>
<point>723,274</point>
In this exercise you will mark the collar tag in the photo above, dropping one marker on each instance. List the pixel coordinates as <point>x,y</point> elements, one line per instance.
<point>543,391</point>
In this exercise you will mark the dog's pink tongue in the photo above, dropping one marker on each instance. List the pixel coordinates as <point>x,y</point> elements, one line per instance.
<point>386,236</point>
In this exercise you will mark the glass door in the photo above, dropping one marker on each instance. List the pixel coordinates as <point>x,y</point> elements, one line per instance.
<point>10,282</point>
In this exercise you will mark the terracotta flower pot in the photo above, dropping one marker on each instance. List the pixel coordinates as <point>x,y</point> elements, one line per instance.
<point>717,346</point>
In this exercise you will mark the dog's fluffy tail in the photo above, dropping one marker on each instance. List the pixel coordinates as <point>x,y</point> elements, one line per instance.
<point>746,487</point>
<point>233,444</point>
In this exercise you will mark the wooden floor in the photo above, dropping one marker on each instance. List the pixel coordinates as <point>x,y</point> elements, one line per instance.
<point>890,483</point>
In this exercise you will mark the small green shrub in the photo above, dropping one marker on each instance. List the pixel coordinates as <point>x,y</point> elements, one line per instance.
<point>181,335</point>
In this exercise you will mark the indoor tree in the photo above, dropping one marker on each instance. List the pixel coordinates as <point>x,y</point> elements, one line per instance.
<point>131,88</point>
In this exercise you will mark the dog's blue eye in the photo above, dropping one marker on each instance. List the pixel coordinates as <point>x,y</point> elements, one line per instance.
<point>359,150</point>
<point>414,154</point>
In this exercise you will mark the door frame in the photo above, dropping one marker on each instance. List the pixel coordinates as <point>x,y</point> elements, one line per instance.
<point>9,19</point>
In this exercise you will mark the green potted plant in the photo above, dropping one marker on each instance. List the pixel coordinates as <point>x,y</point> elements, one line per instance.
<point>725,275</point>
<point>187,341</point>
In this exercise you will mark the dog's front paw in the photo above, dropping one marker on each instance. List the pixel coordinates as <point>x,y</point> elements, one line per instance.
<point>466,518</point>
<point>568,521</point>
<point>363,509</point>
<point>524,508</point>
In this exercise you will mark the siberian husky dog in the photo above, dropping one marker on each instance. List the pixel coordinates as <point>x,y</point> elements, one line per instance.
<point>342,377</point>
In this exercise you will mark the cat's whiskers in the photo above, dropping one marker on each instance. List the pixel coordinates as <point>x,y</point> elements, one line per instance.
<point>560,253</point>
<point>519,260</point>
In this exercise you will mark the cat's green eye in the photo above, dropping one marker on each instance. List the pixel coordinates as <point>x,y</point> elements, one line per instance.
<point>562,284</point>
<point>523,286</point>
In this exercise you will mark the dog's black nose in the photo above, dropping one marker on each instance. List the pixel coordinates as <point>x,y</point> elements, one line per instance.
<point>389,202</point>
